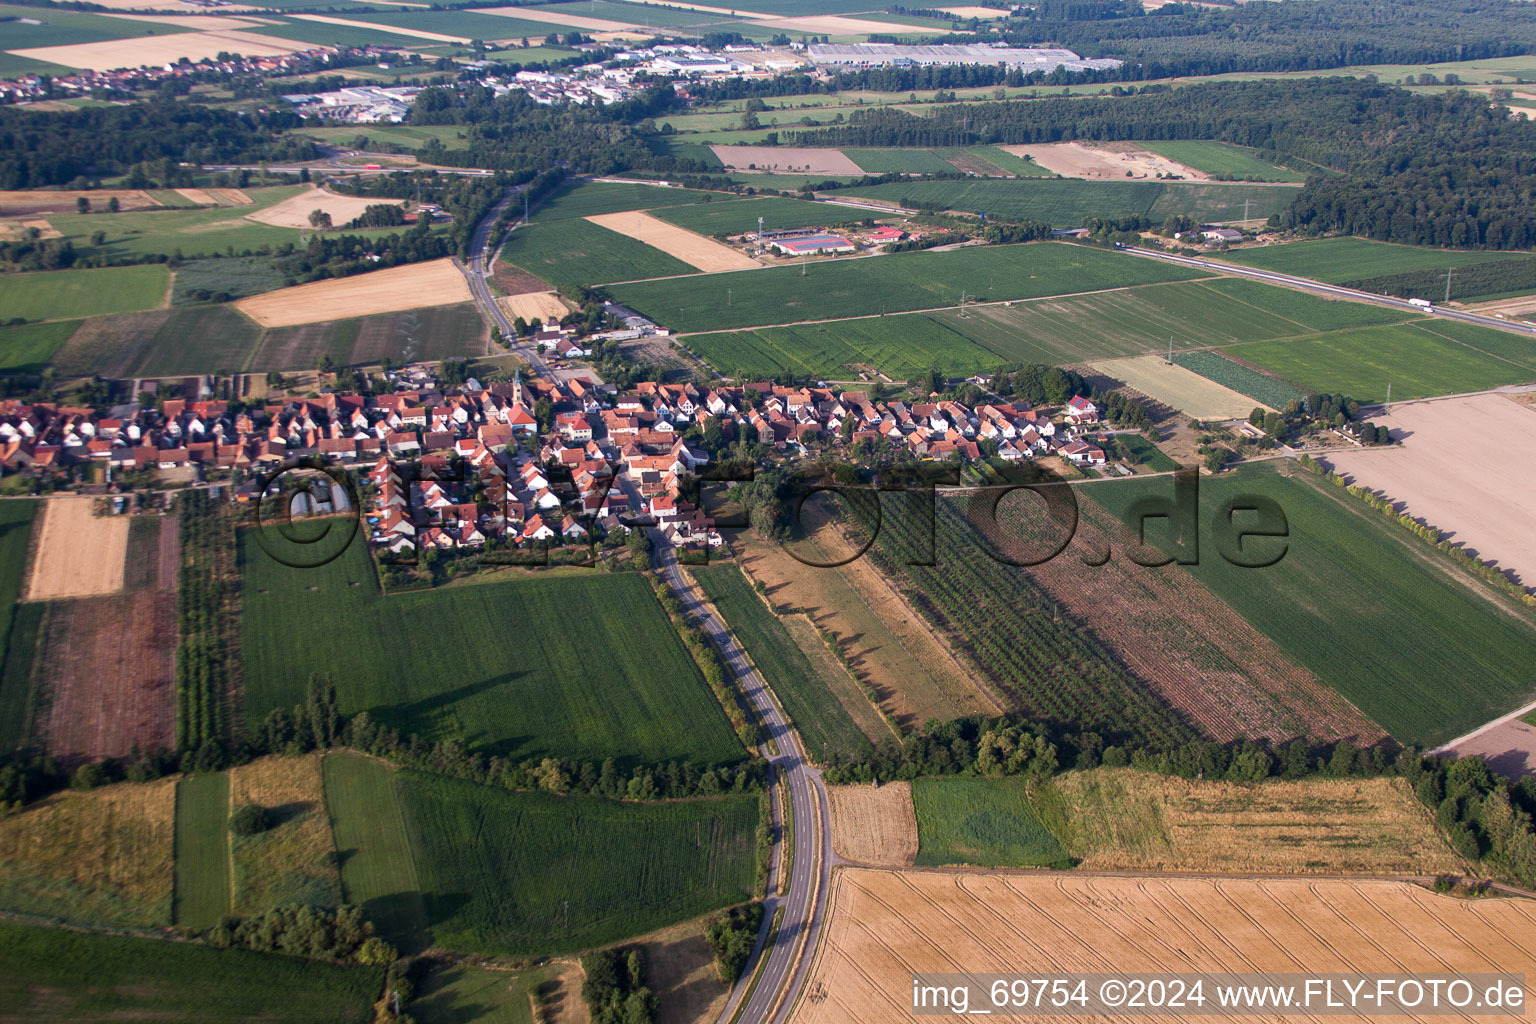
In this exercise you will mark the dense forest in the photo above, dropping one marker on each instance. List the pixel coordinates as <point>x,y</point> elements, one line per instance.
<point>1446,170</point>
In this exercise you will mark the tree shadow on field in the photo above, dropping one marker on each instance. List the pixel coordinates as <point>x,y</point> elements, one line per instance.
<point>410,716</point>
<point>294,810</point>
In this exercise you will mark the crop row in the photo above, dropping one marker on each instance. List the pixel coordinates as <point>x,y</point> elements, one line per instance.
<point>1271,391</point>
<point>205,603</point>
<point>1493,278</point>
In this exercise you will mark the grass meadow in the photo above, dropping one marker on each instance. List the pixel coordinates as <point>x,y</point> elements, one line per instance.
<point>532,873</point>
<point>378,872</point>
<point>203,881</point>
<point>982,822</point>
<point>42,969</point>
<point>1221,158</point>
<point>578,252</point>
<point>582,667</point>
<point>886,284</point>
<point>29,347</point>
<point>71,294</point>
<point>1422,647</point>
<point>588,198</point>
<point>825,726</point>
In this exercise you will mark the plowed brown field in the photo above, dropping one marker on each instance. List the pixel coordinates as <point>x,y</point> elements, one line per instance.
<point>885,925</point>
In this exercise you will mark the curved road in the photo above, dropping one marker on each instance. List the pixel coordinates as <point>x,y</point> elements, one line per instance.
<point>480,249</point>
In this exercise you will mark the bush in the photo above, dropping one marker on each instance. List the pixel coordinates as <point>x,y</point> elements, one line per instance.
<point>250,820</point>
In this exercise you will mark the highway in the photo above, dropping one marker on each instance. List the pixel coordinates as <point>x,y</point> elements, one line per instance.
<point>480,251</point>
<point>1331,290</point>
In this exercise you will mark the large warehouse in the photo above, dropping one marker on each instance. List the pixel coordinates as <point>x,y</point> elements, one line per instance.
<point>1024,58</point>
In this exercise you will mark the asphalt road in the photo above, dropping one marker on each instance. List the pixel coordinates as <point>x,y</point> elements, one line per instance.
<point>804,904</point>
<point>1333,290</point>
<point>480,252</point>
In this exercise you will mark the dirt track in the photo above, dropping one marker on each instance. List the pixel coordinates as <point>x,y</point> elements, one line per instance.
<point>78,554</point>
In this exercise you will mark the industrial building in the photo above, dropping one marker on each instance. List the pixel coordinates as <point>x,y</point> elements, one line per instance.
<point>898,55</point>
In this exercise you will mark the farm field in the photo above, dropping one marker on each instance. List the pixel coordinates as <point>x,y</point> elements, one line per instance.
<point>101,857</point>
<point>1099,160</point>
<point>228,277</point>
<point>1221,158</point>
<point>203,872</point>
<point>1465,491</point>
<point>824,726</point>
<point>547,874</point>
<point>378,872</point>
<point>889,649</point>
<point>16,523</point>
<point>294,211</point>
<point>408,136</point>
<point>533,306</point>
<point>1177,387</point>
<point>1185,645</point>
<point>886,925</point>
<point>71,294</point>
<point>198,339</point>
<point>885,161</point>
<point>294,860</point>
<point>1245,380</point>
<point>784,159</point>
<point>1310,311</point>
<point>28,347</point>
<point>456,993</point>
<point>412,286</point>
<point>433,332</point>
<point>1119,819</point>
<point>985,822</point>
<point>1336,260</point>
<point>891,284</point>
<point>1008,163</point>
<point>515,701</point>
<point>339,32</point>
<point>874,825</point>
<point>78,553</point>
<point>1427,651</point>
<point>897,345</point>
<point>1418,359</point>
<point>145,979</point>
<point>588,198</point>
<point>465,25</point>
<point>1067,203</point>
<point>738,216</point>
<point>578,252</point>
<point>694,249</point>
<point>163,47</point>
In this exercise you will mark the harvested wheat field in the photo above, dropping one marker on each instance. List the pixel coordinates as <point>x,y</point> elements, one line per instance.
<point>103,856</point>
<point>1187,645</point>
<point>51,201</point>
<point>533,306</point>
<point>885,925</point>
<point>786,158</point>
<point>1105,160</point>
<point>690,247</point>
<point>295,858</point>
<point>1464,490</point>
<point>1124,819</point>
<point>77,554</point>
<point>294,211</point>
<point>414,33</point>
<point>874,825</point>
<point>230,196</point>
<point>1179,388</point>
<point>110,54</point>
<point>436,283</point>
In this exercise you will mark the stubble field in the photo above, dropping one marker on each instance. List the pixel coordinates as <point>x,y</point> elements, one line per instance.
<point>885,925</point>
<point>1177,387</point>
<point>874,825</point>
<point>704,253</point>
<point>294,211</point>
<point>78,554</point>
<point>416,285</point>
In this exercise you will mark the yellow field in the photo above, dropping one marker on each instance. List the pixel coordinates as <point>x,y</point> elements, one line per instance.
<point>109,54</point>
<point>104,855</point>
<point>560,18</point>
<point>412,32</point>
<point>294,211</point>
<point>77,554</point>
<point>437,283</point>
<point>874,825</point>
<point>63,201</point>
<point>1124,819</point>
<point>533,305</point>
<point>1179,388</point>
<point>886,925</point>
<point>293,857</point>
<point>690,247</point>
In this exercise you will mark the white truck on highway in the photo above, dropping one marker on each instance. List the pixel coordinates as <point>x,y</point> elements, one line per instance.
<point>1421,303</point>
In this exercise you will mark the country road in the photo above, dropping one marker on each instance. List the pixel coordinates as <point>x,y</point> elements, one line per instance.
<point>475,273</point>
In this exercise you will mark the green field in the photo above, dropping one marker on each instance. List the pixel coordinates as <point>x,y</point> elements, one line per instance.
<point>1148,453</point>
<point>71,294</point>
<point>1008,163</point>
<point>202,850</point>
<point>898,345</point>
<point>531,873</point>
<point>643,14</point>
<point>1416,359</point>
<point>16,637</point>
<point>435,332</point>
<point>887,284</point>
<point>1336,260</point>
<point>199,339</point>
<point>235,276</point>
<point>582,667</point>
<point>1422,647</point>
<point>910,161</point>
<point>825,726</point>
<point>578,252</point>
<point>1221,158</point>
<point>586,198</point>
<point>1068,203</point>
<point>57,975</point>
<point>985,822</point>
<point>66,28</point>
<point>740,215</point>
<point>459,994</point>
<point>1310,311</point>
<point>378,873</point>
<point>1245,380</point>
<point>321,34</point>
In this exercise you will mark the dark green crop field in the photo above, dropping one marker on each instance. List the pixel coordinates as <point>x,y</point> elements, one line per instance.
<point>582,667</point>
<point>887,284</point>
<point>15,689</point>
<point>1422,647</point>
<point>985,822</point>
<point>1336,260</point>
<point>574,251</point>
<point>57,975</point>
<point>737,216</point>
<point>532,873</point>
<point>897,345</point>
<point>586,198</point>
